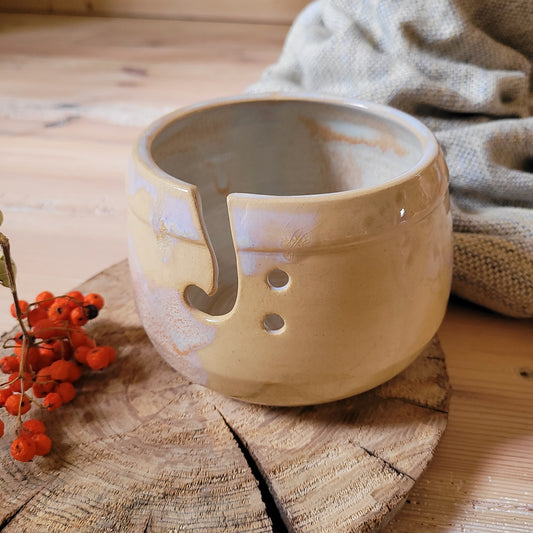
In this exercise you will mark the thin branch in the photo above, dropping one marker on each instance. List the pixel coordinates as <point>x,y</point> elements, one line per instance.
<point>6,249</point>
<point>27,339</point>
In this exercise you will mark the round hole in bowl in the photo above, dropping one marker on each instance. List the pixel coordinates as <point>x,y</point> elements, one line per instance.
<point>273,323</point>
<point>277,279</point>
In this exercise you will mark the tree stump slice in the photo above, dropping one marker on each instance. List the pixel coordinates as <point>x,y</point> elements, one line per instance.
<point>141,449</point>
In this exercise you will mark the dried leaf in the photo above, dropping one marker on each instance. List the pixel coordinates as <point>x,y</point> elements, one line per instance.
<point>4,279</point>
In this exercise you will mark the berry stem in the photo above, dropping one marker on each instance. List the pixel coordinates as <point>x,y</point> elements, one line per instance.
<point>6,249</point>
<point>27,339</point>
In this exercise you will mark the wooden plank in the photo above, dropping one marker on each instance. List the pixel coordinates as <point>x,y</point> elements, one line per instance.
<point>74,94</point>
<point>481,479</point>
<point>131,70</point>
<point>155,41</point>
<point>263,11</point>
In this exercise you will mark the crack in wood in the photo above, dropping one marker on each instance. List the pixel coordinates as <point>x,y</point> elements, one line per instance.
<point>385,462</point>
<point>10,517</point>
<point>273,510</point>
<point>147,527</point>
<point>415,403</point>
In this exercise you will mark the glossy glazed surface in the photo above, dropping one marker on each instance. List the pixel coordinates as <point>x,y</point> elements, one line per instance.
<point>319,229</point>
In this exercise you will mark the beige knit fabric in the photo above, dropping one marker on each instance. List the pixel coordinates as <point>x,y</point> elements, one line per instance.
<point>464,68</point>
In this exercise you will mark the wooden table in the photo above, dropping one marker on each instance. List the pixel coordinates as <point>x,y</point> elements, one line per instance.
<point>74,94</point>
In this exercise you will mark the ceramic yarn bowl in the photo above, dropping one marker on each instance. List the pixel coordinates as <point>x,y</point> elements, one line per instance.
<point>320,230</point>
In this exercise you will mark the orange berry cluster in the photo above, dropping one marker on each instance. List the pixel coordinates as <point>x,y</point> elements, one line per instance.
<point>31,442</point>
<point>46,361</point>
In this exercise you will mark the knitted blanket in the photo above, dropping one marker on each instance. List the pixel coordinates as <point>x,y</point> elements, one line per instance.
<point>463,67</point>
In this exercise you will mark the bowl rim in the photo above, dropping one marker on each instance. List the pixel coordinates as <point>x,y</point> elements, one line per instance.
<point>142,152</point>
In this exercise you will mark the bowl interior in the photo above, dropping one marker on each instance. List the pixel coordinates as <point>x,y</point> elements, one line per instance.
<point>284,148</point>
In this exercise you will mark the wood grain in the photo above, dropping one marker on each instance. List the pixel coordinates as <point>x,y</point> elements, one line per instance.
<point>273,11</point>
<point>141,449</point>
<point>481,479</point>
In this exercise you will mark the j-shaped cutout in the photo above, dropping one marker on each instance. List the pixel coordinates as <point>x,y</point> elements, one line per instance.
<point>273,323</point>
<point>219,304</point>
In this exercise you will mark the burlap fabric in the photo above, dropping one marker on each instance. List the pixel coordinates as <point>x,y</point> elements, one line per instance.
<point>464,68</point>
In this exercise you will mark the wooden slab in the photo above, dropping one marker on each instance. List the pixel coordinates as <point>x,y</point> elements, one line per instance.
<point>142,449</point>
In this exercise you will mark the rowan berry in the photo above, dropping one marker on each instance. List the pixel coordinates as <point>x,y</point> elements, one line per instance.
<point>94,299</point>
<point>78,316</point>
<point>59,370</point>
<point>46,348</point>
<point>42,443</point>
<point>78,337</point>
<point>19,338</point>
<point>23,449</point>
<point>47,356</point>
<point>52,401</point>
<point>36,315</point>
<point>9,364</point>
<point>1,429</point>
<point>75,298</point>
<point>13,403</point>
<point>23,305</point>
<point>59,310</point>
<point>18,349</point>
<point>43,374</point>
<point>65,370</point>
<point>33,358</point>
<point>43,383</point>
<point>40,390</point>
<point>91,311</point>
<point>80,354</point>
<point>4,395</point>
<point>62,349</point>
<point>47,329</point>
<point>34,426</point>
<point>66,391</point>
<point>45,299</point>
<point>98,358</point>
<point>74,371</point>
<point>110,352</point>
<point>15,382</point>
